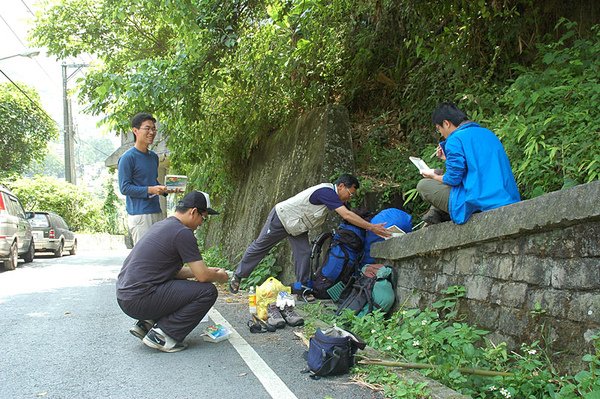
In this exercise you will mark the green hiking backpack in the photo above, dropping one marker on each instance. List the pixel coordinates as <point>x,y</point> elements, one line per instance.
<point>374,289</point>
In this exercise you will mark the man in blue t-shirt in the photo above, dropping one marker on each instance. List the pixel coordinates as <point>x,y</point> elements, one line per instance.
<point>478,175</point>
<point>293,218</point>
<point>153,287</point>
<point>138,178</point>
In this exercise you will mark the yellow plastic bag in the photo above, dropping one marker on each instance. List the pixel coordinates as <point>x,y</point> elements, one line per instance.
<point>266,293</point>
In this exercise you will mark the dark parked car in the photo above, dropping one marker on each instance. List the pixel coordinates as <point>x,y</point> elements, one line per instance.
<point>51,233</point>
<point>15,231</point>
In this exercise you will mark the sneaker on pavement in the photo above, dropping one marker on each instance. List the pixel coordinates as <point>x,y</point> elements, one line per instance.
<point>291,317</point>
<point>275,318</point>
<point>157,339</point>
<point>234,284</point>
<point>141,328</point>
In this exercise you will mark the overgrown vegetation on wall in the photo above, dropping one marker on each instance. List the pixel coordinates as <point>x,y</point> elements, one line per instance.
<point>438,342</point>
<point>221,76</point>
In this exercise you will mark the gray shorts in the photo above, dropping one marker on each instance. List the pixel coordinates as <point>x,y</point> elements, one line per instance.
<point>140,224</point>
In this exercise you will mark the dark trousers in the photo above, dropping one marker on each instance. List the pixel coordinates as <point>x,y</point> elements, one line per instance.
<point>176,306</point>
<point>271,233</point>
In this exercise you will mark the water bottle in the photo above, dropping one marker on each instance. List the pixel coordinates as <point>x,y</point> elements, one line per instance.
<point>252,300</point>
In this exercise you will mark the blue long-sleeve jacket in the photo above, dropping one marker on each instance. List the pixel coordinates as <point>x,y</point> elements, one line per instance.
<point>137,172</point>
<point>478,171</point>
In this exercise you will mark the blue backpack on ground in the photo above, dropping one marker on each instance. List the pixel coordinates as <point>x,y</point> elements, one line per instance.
<point>331,352</point>
<point>389,216</point>
<point>341,259</point>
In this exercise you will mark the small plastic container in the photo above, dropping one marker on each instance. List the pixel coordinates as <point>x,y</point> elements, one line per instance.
<point>216,333</point>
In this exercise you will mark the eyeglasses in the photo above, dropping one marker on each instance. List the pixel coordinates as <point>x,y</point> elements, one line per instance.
<point>349,193</point>
<point>149,129</point>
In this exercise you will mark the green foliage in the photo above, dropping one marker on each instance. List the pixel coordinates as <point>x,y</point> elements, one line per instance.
<point>214,257</point>
<point>549,130</point>
<point>51,165</point>
<point>436,336</point>
<point>223,76</point>
<point>25,129</point>
<point>110,209</point>
<point>393,386</point>
<point>78,207</point>
<point>408,56</point>
<point>268,267</point>
<point>226,75</point>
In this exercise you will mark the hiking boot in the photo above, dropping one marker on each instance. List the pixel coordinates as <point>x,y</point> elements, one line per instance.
<point>157,339</point>
<point>234,284</point>
<point>435,216</point>
<point>291,317</point>
<point>275,318</point>
<point>141,328</point>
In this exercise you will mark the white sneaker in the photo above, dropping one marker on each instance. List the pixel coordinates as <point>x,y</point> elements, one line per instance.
<point>157,339</point>
<point>141,328</point>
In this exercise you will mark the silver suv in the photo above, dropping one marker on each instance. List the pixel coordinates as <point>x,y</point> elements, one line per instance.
<point>15,231</point>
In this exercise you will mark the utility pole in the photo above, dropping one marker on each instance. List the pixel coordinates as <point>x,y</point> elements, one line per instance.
<point>69,136</point>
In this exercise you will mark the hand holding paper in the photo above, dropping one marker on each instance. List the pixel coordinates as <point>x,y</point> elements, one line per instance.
<point>175,183</point>
<point>394,231</point>
<point>425,170</point>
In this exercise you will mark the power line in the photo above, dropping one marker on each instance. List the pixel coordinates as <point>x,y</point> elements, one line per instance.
<point>93,146</point>
<point>25,94</point>
<point>23,44</point>
<point>13,32</point>
<point>27,7</point>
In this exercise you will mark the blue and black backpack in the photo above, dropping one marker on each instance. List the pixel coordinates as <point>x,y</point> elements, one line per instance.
<point>340,261</point>
<point>331,352</point>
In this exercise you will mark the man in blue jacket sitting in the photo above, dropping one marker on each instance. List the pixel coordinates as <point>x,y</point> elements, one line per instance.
<point>478,175</point>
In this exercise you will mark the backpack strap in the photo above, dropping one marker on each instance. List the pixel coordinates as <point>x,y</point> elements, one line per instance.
<point>316,249</point>
<point>369,289</point>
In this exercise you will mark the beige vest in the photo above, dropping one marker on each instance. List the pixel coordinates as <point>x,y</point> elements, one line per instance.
<point>298,215</point>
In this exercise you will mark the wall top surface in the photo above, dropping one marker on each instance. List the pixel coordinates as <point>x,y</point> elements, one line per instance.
<point>554,210</point>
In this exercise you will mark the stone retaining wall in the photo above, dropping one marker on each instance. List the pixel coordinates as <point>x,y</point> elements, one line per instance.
<point>526,267</point>
<point>305,153</point>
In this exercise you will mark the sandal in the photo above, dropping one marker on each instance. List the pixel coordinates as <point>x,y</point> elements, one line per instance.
<point>234,284</point>
<point>257,325</point>
<point>255,328</point>
<point>308,295</point>
<point>264,324</point>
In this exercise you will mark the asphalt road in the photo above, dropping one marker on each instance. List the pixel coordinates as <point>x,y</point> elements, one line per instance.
<point>64,336</point>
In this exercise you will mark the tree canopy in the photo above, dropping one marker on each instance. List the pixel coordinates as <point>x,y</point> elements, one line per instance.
<point>221,76</point>
<point>25,129</point>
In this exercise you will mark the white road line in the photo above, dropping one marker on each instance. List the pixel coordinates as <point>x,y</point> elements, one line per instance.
<point>271,381</point>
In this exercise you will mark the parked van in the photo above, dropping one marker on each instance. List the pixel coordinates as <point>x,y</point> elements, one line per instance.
<point>15,231</point>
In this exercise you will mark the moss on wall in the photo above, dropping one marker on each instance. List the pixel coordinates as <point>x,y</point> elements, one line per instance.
<point>310,151</point>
